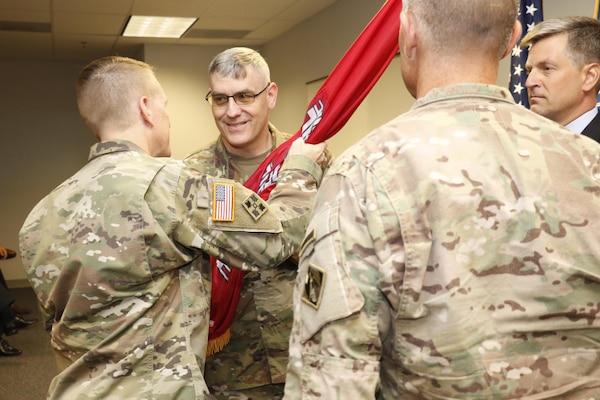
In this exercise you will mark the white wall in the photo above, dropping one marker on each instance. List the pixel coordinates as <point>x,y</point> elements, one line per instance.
<point>43,141</point>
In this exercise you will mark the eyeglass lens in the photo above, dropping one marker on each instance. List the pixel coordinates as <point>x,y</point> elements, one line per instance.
<point>242,98</point>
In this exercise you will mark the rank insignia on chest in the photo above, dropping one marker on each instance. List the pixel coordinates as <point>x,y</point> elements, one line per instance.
<point>223,201</point>
<point>255,206</point>
<point>313,286</point>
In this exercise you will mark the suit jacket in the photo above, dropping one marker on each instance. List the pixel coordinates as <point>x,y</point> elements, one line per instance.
<point>593,129</point>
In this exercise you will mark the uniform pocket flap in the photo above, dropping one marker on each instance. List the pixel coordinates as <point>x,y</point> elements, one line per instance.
<point>327,292</point>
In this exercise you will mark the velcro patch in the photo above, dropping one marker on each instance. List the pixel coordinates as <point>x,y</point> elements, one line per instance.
<point>309,238</point>
<point>313,286</point>
<point>255,206</point>
<point>223,201</point>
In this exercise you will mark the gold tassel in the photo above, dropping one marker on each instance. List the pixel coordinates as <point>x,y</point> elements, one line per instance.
<point>216,345</point>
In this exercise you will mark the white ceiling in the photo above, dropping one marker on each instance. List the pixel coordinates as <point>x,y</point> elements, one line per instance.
<point>81,30</point>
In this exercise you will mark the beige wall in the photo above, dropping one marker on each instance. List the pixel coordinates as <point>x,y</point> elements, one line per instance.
<point>43,141</point>
<point>182,71</point>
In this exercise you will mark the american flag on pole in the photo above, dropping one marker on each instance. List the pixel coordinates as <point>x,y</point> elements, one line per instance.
<point>530,14</point>
<point>223,202</point>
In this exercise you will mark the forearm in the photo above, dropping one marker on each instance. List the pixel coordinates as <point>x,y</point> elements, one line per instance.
<point>258,234</point>
<point>293,198</point>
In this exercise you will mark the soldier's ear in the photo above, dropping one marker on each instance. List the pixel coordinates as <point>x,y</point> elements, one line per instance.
<point>515,36</point>
<point>144,109</point>
<point>272,95</point>
<point>408,35</point>
<point>591,76</point>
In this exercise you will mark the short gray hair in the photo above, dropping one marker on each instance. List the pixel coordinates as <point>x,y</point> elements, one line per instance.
<point>232,63</point>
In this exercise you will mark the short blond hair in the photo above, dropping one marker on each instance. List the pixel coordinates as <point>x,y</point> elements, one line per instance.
<point>583,37</point>
<point>109,87</point>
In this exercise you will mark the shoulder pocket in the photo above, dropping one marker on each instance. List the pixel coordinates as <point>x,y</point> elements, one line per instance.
<point>326,290</point>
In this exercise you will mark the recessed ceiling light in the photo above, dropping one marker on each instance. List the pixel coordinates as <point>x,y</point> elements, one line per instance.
<point>158,27</point>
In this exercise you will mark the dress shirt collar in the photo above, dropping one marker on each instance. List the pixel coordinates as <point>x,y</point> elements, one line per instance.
<point>579,124</point>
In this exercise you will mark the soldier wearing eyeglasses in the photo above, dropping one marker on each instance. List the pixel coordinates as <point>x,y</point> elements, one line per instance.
<point>253,363</point>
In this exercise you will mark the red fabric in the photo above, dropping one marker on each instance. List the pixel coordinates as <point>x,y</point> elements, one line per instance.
<point>342,92</point>
<point>223,304</point>
<point>335,102</point>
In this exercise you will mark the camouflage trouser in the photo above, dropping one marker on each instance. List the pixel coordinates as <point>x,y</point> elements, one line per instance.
<point>270,392</point>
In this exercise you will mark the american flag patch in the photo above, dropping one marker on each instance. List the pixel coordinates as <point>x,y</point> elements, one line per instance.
<point>223,202</point>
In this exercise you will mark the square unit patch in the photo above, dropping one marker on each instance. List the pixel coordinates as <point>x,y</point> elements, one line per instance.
<point>313,286</point>
<point>255,206</point>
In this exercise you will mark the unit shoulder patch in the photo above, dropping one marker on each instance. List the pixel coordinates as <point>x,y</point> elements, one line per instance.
<point>255,206</point>
<point>314,286</point>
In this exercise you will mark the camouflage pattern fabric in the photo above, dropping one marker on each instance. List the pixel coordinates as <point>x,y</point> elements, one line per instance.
<point>118,258</point>
<point>453,254</point>
<point>257,355</point>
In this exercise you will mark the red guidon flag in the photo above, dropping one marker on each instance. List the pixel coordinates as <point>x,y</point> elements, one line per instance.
<point>335,102</point>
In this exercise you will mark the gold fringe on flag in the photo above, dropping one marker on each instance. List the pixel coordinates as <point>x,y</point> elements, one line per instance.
<point>215,345</point>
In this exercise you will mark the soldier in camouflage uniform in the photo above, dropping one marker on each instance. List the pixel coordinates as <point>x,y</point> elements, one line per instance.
<point>252,365</point>
<point>118,253</point>
<point>453,253</point>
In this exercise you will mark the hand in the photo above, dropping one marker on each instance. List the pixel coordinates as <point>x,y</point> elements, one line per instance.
<point>313,151</point>
<point>3,252</point>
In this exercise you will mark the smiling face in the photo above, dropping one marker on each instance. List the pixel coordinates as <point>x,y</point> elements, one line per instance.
<point>555,83</point>
<point>244,128</point>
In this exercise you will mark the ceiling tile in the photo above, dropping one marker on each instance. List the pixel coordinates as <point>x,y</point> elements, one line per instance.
<point>89,6</point>
<point>39,5</point>
<point>241,9</point>
<point>100,24</point>
<point>303,9</point>
<point>21,15</point>
<point>229,23</point>
<point>173,8</point>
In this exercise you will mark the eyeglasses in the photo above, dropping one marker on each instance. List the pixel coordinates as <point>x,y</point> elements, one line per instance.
<point>241,99</point>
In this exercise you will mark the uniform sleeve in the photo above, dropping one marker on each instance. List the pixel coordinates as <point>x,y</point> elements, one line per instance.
<point>228,221</point>
<point>335,345</point>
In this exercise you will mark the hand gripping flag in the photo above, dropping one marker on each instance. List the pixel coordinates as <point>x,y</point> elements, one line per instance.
<point>530,14</point>
<point>335,102</point>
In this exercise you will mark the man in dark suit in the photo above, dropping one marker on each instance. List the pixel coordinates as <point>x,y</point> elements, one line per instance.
<point>592,130</point>
<point>564,72</point>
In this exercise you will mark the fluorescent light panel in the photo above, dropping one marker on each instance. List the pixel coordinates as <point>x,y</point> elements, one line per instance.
<point>157,27</point>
